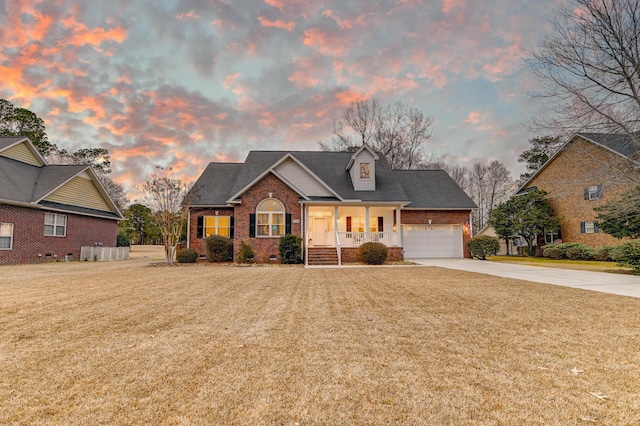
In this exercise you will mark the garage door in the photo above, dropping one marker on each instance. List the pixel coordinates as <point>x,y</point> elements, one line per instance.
<point>422,241</point>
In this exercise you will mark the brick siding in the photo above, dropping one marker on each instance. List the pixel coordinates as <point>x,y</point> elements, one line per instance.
<point>440,217</point>
<point>579,165</point>
<point>30,245</point>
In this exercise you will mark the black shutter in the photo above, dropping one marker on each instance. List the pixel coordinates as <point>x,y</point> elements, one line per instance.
<point>231,227</point>
<point>252,225</point>
<point>595,228</point>
<point>380,224</point>
<point>200,232</point>
<point>586,194</point>
<point>287,223</point>
<point>582,228</point>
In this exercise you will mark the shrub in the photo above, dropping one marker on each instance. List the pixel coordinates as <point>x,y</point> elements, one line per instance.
<point>628,254</point>
<point>123,240</point>
<point>245,253</point>
<point>373,253</point>
<point>602,253</point>
<point>579,252</point>
<point>483,246</point>
<point>290,249</point>
<point>553,252</point>
<point>219,249</point>
<point>186,255</point>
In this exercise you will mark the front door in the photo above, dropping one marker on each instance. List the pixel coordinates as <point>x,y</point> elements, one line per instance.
<point>319,236</point>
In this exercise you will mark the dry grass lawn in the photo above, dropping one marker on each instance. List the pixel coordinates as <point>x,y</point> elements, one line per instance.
<point>128,343</point>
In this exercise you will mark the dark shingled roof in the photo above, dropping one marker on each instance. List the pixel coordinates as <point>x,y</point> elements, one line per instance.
<point>26,184</point>
<point>625,145</point>
<point>433,189</point>
<point>419,188</point>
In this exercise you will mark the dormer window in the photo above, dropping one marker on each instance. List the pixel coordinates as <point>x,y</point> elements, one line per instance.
<point>365,170</point>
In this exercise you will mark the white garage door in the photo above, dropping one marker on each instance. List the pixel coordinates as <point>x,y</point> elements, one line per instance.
<point>422,241</point>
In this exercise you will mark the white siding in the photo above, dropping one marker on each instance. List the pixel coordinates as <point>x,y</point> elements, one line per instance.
<point>22,153</point>
<point>364,184</point>
<point>79,192</point>
<point>301,179</point>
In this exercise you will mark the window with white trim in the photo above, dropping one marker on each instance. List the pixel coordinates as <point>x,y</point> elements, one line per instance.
<point>593,192</point>
<point>365,171</point>
<point>217,225</point>
<point>6,236</point>
<point>55,225</point>
<point>589,227</point>
<point>270,218</point>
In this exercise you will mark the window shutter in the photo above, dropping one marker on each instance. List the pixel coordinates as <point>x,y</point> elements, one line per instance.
<point>287,223</point>
<point>252,225</point>
<point>582,227</point>
<point>200,232</point>
<point>348,223</point>
<point>595,228</point>
<point>380,224</point>
<point>231,227</point>
<point>586,195</point>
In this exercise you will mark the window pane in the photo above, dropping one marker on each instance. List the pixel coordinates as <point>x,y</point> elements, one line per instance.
<point>210,221</point>
<point>263,219</point>
<point>277,230</point>
<point>364,171</point>
<point>263,230</point>
<point>49,219</point>
<point>223,221</point>
<point>270,205</point>
<point>61,219</point>
<point>60,231</point>
<point>48,230</point>
<point>5,242</point>
<point>6,229</point>
<point>223,232</point>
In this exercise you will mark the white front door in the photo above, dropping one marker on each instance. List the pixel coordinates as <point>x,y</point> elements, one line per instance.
<point>319,235</point>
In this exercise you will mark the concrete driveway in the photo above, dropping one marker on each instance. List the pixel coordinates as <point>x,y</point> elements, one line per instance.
<point>625,285</point>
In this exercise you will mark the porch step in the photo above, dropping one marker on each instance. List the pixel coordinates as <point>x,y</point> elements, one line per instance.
<point>323,256</point>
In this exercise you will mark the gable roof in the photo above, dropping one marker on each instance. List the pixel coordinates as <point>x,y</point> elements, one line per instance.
<point>7,142</point>
<point>224,183</point>
<point>29,185</point>
<point>624,145</point>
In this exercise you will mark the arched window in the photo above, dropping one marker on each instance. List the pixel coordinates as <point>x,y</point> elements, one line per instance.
<point>270,218</point>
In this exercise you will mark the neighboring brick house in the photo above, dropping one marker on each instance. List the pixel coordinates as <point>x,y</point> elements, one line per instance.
<point>48,212</point>
<point>335,201</point>
<point>589,170</point>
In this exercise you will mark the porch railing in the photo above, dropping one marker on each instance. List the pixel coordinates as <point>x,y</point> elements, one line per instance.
<point>356,239</point>
<point>338,249</point>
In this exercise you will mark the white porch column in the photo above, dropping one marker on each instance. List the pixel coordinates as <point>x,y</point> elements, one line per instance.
<point>366,225</point>
<point>399,226</point>
<point>306,235</point>
<point>335,222</point>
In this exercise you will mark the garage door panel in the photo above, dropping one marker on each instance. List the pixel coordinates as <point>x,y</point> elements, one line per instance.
<point>421,241</point>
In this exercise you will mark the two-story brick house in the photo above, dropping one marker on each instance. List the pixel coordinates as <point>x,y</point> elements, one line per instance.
<point>589,170</point>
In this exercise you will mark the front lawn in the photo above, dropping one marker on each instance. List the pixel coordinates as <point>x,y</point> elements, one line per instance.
<point>129,343</point>
<point>584,265</point>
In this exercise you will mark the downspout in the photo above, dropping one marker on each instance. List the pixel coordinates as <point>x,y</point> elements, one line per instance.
<point>189,227</point>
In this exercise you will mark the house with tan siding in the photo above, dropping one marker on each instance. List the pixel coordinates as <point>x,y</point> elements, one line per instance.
<point>335,201</point>
<point>48,212</point>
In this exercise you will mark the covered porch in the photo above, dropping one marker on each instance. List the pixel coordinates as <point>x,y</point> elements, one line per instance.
<point>349,226</point>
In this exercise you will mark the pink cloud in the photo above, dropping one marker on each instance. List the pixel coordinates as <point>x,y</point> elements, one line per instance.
<point>345,23</point>
<point>192,14</point>
<point>326,42</point>
<point>278,23</point>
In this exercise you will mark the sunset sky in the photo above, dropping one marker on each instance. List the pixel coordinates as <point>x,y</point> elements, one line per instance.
<point>182,83</point>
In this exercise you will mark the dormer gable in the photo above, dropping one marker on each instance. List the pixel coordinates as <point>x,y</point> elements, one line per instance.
<point>362,169</point>
<point>21,149</point>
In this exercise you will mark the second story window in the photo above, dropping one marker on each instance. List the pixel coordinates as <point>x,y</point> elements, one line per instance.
<point>593,192</point>
<point>365,170</point>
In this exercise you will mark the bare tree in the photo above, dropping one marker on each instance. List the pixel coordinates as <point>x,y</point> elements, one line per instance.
<point>167,197</point>
<point>488,186</point>
<point>590,69</point>
<point>398,131</point>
